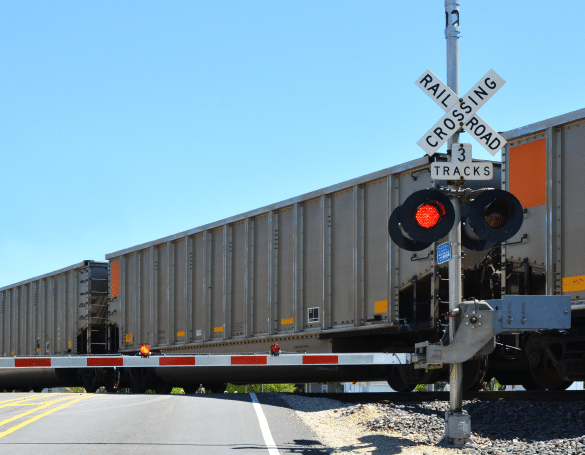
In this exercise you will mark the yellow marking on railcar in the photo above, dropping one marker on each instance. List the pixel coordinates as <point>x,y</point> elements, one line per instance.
<point>381,306</point>
<point>218,329</point>
<point>286,321</point>
<point>574,283</point>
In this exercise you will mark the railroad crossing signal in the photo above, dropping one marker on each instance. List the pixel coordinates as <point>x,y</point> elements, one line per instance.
<point>425,217</point>
<point>493,216</point>
<point>461,112</point>
<point>428,215</point>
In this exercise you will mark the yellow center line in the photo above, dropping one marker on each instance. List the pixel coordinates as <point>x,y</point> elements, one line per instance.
<point>21,399</point>
<point>39,406</point>
<point>35,418</point>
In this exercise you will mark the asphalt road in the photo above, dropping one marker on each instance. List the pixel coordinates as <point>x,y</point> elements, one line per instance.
<point>34,423</point>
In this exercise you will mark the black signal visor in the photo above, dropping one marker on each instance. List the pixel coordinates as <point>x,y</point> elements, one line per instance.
<point>427,216</point>
<point>468,238</point>
<point>398,237</point>
<point>495,216</point>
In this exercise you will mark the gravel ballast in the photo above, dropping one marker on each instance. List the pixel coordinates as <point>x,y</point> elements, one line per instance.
<point>498,427</point>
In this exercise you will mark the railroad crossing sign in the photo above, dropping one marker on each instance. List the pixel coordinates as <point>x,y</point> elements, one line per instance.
<point>461,112</point>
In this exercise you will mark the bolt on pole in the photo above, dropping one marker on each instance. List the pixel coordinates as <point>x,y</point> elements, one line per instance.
<point>455,419</point>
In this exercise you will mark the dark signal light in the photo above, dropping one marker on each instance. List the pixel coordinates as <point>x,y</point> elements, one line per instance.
<point>493,216</point>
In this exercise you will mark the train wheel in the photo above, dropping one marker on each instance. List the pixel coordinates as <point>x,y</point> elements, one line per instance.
<point>528,382</point>
<point>540,358</point>
<point>393,376</point>
<point>474,372</point>
<point>90,384</point>
<point>162,387</point>
<point>547,378</point>
<point>113,381</point>
<point>396,382</point>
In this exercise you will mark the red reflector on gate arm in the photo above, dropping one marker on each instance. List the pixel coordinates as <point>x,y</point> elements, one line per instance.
<point>105,362</point>
<point>176,361</point>
<point>249,360</point>
<point>320,359</point>
<point>27,363</point>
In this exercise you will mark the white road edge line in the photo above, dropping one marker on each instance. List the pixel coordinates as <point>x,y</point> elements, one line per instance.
<point>270,445</point>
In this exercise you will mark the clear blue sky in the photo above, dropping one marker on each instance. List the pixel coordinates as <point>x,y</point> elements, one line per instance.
<point>126,121</point>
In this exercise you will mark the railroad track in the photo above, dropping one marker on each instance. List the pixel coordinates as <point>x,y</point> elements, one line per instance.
<point>571,395</point>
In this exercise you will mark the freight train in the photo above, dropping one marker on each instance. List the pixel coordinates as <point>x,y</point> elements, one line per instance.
<point>318,274</point>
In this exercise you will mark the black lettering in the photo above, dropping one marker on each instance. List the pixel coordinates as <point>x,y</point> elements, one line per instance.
<point>477,133</point>
<point>492,85</point>
<point>446,98</point>
<point>456,171</point>
<point>475,170</point>
<point>473,100</point>
<point>439,132</point>
<point>462,152</point>
<point>428,142</point>
<point>480,91</point>
<point>473,122</point>
<point>446,171</point>
<point>451,124</point>
<point>436,169</point>
<point>486,171</point>
<point>458,115</point>
<point>465,170</point>
<point>495,147</point>
<point>427,79</point>
<point>434,89</point>
<point>467,109</point>
<point>487,138</point>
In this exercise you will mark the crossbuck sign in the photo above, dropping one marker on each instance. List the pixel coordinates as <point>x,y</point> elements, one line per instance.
<point>461,112</point>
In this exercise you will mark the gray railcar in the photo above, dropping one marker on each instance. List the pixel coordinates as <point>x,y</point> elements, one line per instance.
<point>57,313</point>
<point>543,164</point>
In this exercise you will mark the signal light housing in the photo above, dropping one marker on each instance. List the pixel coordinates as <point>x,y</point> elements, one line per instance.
<point>144,350</point>
<point>493,216</point>
<point>425,217</point>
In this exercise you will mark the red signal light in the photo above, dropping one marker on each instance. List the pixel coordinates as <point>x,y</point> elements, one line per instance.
<point>429,214</point>
<point>144,350</point>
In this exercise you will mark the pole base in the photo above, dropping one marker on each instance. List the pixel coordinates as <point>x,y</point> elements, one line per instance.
<point>457,428</point>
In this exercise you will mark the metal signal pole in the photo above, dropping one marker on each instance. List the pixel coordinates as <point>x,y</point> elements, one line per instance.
<point>454,436</point>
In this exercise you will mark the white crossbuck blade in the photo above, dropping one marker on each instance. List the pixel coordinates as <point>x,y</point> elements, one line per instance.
<point>461,113</point>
